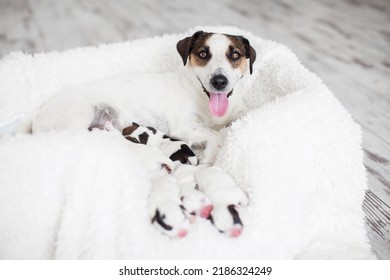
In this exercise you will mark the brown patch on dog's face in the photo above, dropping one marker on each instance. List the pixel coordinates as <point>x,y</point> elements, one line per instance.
<point>186,45</point>
<point>200,52</point>
<point>236,52</point>
<point>240,46</point>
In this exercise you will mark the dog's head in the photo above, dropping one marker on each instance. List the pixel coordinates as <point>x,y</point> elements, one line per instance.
<point>219,61</point>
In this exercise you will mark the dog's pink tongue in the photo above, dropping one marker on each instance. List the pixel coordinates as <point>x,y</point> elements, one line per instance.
<point>218,104</point>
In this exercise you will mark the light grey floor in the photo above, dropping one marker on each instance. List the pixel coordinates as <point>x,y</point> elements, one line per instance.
<point>346,42</point>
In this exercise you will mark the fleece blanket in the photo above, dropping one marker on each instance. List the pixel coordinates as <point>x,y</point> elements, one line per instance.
<point>83,195</point>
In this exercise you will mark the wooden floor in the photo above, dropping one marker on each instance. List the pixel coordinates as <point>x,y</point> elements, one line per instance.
<point>346,42</point>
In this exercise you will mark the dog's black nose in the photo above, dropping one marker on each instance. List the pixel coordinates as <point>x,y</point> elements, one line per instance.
<point>219,82</point>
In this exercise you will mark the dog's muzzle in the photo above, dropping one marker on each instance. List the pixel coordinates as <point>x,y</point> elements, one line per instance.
<point>218,101</point>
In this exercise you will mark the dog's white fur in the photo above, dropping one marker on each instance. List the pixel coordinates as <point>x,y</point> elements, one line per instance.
<point>172,102</point>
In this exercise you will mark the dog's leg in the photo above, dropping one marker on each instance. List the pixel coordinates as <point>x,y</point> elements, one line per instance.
<point>165,208</point>
<point>226,198</point>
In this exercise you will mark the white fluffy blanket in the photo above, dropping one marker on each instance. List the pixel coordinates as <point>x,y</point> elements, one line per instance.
<point>83,195</point>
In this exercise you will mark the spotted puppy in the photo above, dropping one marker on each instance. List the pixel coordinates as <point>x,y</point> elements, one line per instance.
<point>178,151</point>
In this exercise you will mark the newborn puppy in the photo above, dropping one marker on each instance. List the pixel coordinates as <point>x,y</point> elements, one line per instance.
<point>165,208</point>
<point>178,151</point>
<point>226,198</point>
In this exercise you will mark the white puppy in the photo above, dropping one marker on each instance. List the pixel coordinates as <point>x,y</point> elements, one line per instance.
<point>225,196</point>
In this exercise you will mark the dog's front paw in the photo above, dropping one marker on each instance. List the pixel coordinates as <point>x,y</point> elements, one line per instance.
<point>212,146</point>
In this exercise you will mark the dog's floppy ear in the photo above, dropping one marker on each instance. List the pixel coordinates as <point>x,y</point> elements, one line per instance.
<point>185,45</point>
<point>249,53</point>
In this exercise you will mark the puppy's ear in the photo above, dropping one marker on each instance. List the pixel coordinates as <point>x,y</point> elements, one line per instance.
<point>185,45</point>
<point>249,53</point>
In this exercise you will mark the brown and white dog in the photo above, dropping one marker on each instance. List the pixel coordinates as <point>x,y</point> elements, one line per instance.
<point>192,103</point>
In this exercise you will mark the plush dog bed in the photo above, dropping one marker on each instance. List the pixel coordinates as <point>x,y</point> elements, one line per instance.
<point>71,195</point>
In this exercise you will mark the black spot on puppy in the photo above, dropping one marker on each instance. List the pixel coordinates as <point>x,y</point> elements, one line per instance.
<point>160,220</point>
<point>143,138</point>
<point>152,129</point>
<point>183,154</point>
<point>170,138</point>
<point>132,139</point>
<point>234,213</point>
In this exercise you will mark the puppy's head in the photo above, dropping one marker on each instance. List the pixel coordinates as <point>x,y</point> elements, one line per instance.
<point>218,61</point>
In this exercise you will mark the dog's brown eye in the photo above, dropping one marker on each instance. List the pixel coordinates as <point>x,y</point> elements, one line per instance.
<point>202,54</point>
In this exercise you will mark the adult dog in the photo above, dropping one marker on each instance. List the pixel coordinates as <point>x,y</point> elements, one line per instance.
<point>191,105</point>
